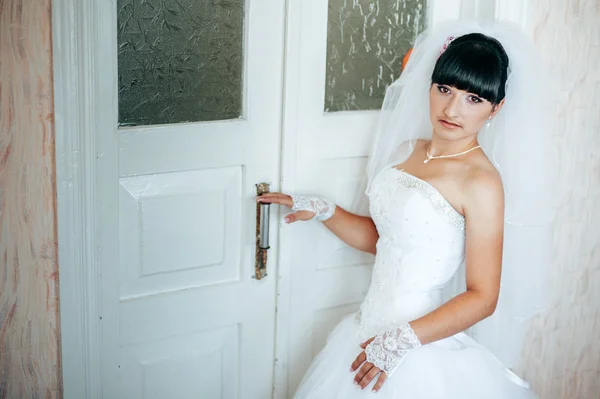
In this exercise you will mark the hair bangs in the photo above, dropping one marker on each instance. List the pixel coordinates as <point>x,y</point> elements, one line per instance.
<point>473,67</point>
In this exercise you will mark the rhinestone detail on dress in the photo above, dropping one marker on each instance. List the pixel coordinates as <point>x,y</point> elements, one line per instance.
<point>437,199</point>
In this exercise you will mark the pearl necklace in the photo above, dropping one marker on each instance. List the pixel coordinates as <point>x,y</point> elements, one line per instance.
<point>430,157</point>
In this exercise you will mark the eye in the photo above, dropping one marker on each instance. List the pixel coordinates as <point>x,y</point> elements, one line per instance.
<point>443,89</point>
<point>475,99</point>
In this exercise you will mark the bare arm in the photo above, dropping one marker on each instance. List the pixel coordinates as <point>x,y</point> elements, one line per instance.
<point>484,214</point>
<point>357,231</point>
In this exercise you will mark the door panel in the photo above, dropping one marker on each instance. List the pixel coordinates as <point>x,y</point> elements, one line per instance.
<point>192,322</point>
<point>199,93</point>
<point>180,230</point>
<point>180,60</point>
<point>340,57</point>
<point>171,369</point>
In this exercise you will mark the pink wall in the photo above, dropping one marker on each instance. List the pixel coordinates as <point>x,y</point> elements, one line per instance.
<point>29,332</point>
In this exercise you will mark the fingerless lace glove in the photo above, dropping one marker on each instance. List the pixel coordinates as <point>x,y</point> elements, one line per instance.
<point>387,350</point>
<point>322,208</point>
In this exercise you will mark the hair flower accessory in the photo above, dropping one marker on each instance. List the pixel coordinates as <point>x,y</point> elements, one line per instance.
<point>446,44</point>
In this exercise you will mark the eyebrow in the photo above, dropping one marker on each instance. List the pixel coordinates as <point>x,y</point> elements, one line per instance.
<point>468,92</point>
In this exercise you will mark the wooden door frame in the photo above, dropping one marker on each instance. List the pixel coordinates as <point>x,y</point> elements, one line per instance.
<point>81,99</point>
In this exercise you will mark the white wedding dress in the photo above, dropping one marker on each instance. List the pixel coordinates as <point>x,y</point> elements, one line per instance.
<point>421,245</point>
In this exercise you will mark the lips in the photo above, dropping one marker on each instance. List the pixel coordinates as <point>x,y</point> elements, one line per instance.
<point>449,124</point>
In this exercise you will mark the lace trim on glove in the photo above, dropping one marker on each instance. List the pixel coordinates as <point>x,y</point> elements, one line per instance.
<point>387,350</point>
<point>321,207</point>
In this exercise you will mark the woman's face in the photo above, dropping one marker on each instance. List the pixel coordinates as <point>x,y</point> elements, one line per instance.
<point>457,114</point>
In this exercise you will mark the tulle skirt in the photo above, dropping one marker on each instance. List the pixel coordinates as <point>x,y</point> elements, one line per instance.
<point>453,368</point>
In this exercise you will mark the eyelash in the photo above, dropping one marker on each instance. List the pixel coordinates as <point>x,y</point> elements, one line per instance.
<point>445,90</point>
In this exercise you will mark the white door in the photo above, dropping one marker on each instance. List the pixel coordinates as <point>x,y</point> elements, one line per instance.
<point>183,316</point>
<point>198,86</point>
<point>327,134</point>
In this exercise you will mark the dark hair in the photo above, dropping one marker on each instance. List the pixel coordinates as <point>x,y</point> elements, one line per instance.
<point>475,63</point>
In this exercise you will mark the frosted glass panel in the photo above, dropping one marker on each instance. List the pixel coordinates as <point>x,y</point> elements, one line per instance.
<point>366,42</point>
<point>180,60</point>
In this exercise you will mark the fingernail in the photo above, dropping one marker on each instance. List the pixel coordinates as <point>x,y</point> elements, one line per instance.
<point>287,220</point>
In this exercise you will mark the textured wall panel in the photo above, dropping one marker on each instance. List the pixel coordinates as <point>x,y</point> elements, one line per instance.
<point>562,357</point>
<point>29,336</point>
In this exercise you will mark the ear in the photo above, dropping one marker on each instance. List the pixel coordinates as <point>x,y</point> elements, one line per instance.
<point>497,108</point>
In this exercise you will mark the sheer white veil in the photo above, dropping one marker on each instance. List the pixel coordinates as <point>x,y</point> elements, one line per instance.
<point>516,142</point>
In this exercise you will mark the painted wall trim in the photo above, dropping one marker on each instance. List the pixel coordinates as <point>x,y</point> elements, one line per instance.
<point>73,24</point>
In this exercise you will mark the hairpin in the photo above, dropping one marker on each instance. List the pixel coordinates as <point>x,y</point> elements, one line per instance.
<point>446,44</point>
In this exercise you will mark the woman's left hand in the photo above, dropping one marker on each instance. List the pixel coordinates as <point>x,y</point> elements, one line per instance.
<point>368,371</point>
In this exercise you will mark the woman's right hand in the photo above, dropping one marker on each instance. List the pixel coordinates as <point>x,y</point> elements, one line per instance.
<point>288,201</point>
<point>357,231</point>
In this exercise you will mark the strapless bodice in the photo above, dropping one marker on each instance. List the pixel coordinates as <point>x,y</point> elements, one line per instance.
<point>421,244</point>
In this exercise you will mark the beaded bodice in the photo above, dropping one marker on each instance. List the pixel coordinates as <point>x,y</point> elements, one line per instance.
<point>420,246</point>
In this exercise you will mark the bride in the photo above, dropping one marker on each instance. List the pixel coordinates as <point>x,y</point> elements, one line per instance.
<point>450,176</point>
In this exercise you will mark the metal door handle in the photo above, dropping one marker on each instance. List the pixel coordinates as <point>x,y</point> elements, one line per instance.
<point>262,233</point>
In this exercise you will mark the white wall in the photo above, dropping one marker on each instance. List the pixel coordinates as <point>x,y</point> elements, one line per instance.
<point>562,356</point>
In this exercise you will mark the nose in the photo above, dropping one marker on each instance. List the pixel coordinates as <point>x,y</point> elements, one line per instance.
<point>452,107</point>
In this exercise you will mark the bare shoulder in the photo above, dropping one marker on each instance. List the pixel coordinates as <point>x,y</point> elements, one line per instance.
<point>418,144</point>
<point>421,146</point>
<point>422,143</point>
<point>483,188</point>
